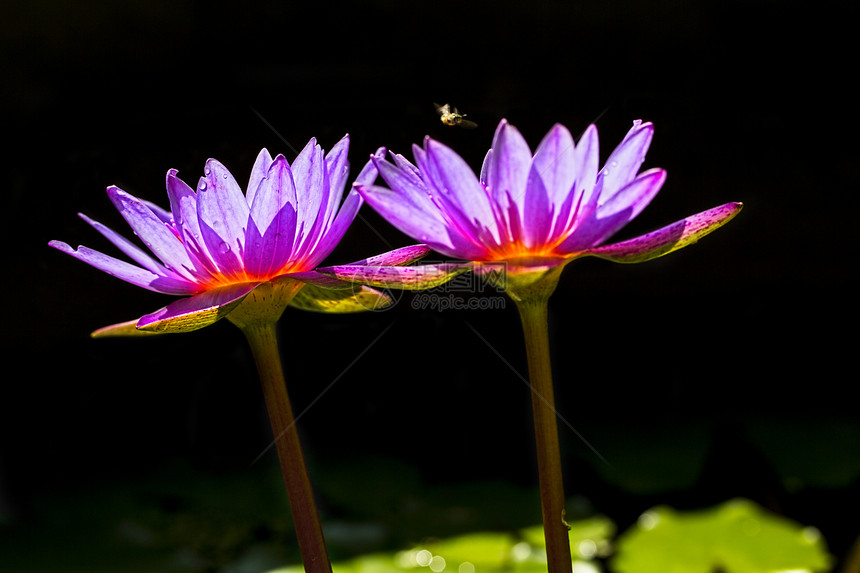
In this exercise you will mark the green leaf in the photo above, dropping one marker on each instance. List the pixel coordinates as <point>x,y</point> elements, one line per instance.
<point>737,536</point>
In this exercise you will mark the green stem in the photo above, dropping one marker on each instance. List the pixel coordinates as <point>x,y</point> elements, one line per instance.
<point>533,314</point>
<point>264,345</point>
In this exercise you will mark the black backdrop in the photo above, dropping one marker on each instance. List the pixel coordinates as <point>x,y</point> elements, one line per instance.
<point>756,323</point>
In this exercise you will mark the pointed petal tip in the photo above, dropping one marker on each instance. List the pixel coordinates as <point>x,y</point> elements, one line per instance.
<point>61,246</point>
<point>668,239</point>
<point>122,329</point>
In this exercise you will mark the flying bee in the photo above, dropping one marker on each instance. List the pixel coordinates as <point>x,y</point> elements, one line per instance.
<point>450,116</point>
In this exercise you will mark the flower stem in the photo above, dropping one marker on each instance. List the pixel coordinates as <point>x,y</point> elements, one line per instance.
<point>533,314</point>
<point>262,338</point>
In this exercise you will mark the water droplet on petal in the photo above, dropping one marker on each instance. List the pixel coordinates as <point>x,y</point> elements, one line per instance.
<point>202,186</point>
<point>206,170</point>
<point>223,248</point>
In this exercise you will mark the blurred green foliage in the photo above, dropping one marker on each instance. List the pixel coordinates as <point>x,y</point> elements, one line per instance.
<point>737,536</point>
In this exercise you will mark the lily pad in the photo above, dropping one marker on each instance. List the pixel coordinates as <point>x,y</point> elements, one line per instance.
<point>737,536</point>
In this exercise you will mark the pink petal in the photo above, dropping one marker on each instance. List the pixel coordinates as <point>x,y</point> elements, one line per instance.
<point>170,284</point>
<point>668,239</point>
<point>396,257</point>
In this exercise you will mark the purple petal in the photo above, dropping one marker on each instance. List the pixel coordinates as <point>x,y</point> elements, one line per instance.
<point>555,162</point>
<point>127,247</point>
<point>129,273</point>
<point>183,201</point>
<point>619,211</point>
<point>157,236</point>
<point>333,232</point>
<point>634,196</point>
<point>338,169</point>
<point>625,160</point>
<point>258,173</point>
<point>509,167</point>
<point>183,206</point>
<point>403,180</point>
<point>409,170</point>
<point>458,192</point>
<point>222,214</point>
<point>537,212</point>
<point>309,174</point>
<point>668,239</point>
<point>274,190</point>
<point>397,257</point>
<point>586,165</point>
<point>198,311</point>
<point>408,214</point>
<point>278,243</point>
<point>344,219</point>
<point>485,167</point>
<point>408,207</point>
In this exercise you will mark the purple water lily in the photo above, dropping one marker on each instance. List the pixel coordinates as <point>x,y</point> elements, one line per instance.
<point>531,212</point>
<point>217,244</point>
<point>246,257</point>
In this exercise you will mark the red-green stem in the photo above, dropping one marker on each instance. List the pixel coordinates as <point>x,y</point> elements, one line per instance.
<point>533,314</point>
<point>264,344</point>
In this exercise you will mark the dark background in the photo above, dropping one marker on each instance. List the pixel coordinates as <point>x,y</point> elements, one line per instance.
<point>723,370</point>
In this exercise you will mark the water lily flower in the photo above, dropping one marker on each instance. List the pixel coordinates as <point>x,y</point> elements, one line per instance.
<point>216,244</point>
<point>528,213</point>
<point>247,256</point>
<point>519,223</point>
